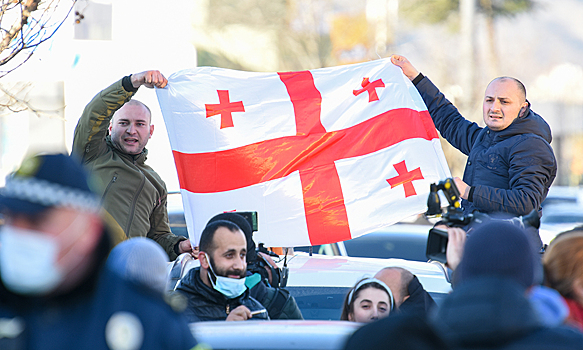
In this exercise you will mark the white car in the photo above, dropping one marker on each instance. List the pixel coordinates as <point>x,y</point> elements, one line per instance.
<point>319,284</point>
<point>281,335</point>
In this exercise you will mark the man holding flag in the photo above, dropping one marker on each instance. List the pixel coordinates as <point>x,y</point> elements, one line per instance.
<point>110,139</point>
<point>323,155</point>
<point>511,164</point>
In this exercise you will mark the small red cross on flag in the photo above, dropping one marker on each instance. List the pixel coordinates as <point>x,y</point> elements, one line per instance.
<point>317,162</point>
<point>405,178</point>
<point>370,88</point>
<point>225,108</point>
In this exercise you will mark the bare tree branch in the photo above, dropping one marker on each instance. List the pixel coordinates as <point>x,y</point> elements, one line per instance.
<point>31,23</point>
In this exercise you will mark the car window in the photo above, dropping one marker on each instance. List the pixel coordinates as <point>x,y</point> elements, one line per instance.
<point>324,249</point>
<point>410,247</point>
<point>319,303</point>
<point>325,303</point>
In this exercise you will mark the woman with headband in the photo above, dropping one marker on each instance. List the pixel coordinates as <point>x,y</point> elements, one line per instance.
<point>368,301</point>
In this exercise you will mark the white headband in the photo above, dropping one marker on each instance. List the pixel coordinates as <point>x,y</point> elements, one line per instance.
<point>371,280</point>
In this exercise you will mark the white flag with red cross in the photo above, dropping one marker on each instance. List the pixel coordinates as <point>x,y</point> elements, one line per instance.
<point>323,156</point>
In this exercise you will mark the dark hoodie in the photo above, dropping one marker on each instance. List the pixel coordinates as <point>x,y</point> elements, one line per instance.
<point>509,170</point>
<point>493,312</point>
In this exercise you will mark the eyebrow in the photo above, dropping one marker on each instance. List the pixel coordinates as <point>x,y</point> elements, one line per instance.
<point>137,120</point>
<point>233,250</point>
<point>500,98</point>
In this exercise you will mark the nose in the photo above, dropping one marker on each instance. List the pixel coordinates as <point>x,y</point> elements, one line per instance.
<point>495,105</point>
<point>239,264</point>
<point>130,129</point>
<point>375,314</point>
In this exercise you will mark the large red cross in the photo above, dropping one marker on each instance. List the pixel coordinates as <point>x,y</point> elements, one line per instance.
<point>225,108</point>
<point>312,152</point>
<point>405,178</point>
<point>370,88</point>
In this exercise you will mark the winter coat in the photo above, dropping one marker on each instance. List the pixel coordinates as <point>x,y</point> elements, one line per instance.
<point>509,170</point>
<point>208,304</point>
<point>132,192</point>
<point>492,312</point>
<point>104,312</point>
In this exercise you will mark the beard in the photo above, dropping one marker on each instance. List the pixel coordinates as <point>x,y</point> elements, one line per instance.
<point>225,272</point>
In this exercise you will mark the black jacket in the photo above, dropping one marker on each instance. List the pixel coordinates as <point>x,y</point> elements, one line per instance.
<point>509,170</point>
<point>278,301</point>
<point>419,303</point>
<point>207,304</point>
<point>491,312</point>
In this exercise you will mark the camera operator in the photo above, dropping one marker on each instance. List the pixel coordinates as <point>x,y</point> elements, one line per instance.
<point>510,164</point>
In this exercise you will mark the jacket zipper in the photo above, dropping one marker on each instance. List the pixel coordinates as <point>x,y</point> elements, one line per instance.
<point>111,182</point>
<point>134,201</point>
<point>228,309</point>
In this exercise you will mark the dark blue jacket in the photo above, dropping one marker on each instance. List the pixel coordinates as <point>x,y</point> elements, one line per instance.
<point>89,317</point>
<point>494,313</point>
<point>207,304</point>
<point>510,170</point>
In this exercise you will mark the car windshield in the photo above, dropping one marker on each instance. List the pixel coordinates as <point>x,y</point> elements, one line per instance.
<point>381,246</point>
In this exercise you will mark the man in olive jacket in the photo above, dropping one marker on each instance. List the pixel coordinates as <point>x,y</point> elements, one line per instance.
<point>110,138</point>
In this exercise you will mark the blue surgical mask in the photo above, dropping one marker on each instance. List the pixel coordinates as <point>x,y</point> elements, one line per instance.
<point>28,261</point>
<point>229,287</point>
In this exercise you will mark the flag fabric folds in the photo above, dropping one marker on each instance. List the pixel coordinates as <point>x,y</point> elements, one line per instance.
<point>323,155</point>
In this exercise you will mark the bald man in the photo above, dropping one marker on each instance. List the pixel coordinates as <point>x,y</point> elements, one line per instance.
<point>511,164</point>
<point>409,295</point>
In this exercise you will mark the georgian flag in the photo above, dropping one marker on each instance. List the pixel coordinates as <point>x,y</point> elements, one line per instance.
<point>323,156</point>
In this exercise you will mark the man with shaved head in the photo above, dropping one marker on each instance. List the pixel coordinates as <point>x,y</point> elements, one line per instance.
<point>511,164</point>
<point>410,296</point>
<point>110,139</point>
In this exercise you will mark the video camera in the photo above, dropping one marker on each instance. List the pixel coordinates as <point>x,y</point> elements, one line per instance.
<point>260,265</point>
<point>453,216</point>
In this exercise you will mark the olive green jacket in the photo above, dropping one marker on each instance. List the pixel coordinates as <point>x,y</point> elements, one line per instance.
<point>132,192</point>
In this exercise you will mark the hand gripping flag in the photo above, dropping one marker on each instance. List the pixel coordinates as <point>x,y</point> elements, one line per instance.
<point>323,156</point>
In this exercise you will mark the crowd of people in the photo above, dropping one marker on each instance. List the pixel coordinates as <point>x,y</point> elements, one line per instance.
<point>86,243</point>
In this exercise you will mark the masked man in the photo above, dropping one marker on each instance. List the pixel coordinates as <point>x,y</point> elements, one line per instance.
<point>216,290</point>
<point>56,291</point>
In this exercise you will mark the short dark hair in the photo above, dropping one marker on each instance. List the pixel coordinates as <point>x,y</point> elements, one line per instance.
<point>207,236</point>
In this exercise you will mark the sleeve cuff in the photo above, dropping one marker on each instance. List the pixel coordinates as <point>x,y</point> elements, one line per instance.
<point>177,246</point>
<point>471,194</point>
<point>126,82</point>
<point>418,79</point>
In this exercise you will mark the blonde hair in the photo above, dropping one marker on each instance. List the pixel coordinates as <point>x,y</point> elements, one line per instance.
<point>563,262</point>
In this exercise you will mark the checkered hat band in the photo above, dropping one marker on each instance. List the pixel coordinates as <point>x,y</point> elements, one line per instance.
<point>49,194</point>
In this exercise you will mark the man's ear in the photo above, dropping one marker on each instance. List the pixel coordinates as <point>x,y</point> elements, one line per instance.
<point>151,130</point>
<point>202,258</point>
<point>523,110</point>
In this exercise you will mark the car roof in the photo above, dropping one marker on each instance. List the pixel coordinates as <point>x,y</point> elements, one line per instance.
<point>344,271</point>
<point>275,334</point>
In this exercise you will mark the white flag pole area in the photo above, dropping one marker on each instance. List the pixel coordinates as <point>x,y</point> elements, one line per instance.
<point>322,156</point>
